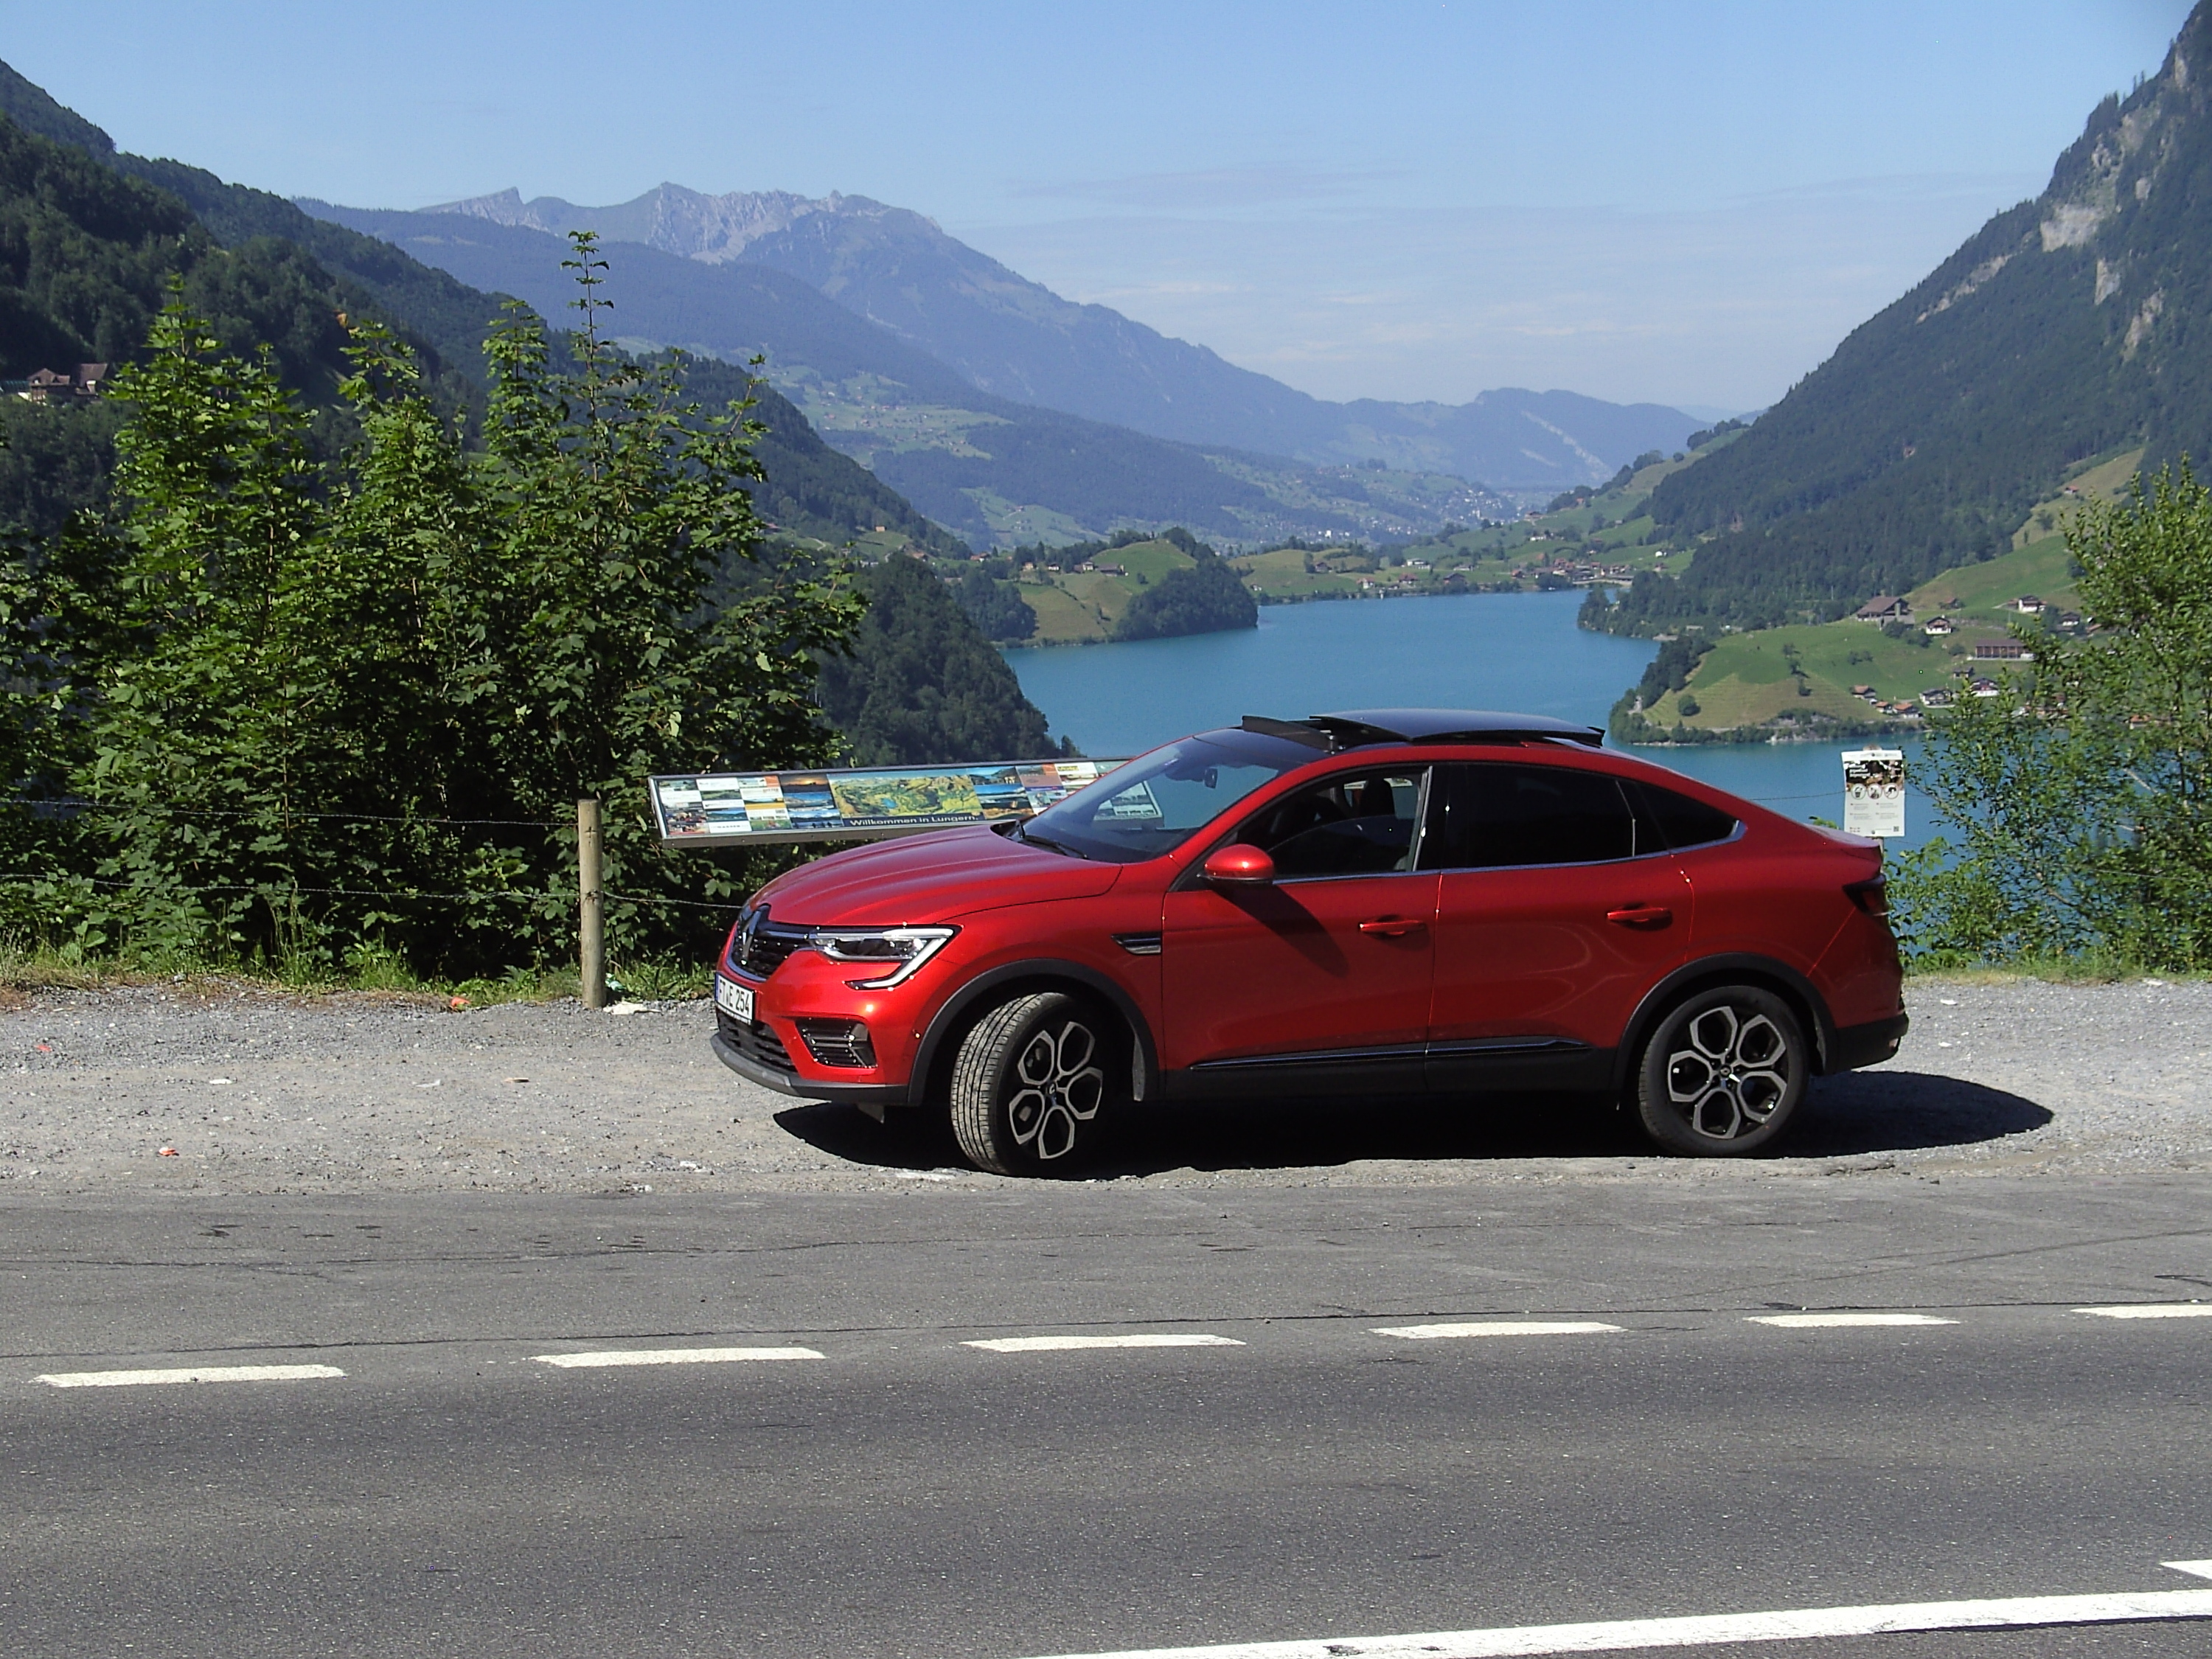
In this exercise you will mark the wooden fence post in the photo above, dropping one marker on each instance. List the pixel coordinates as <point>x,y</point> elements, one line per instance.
<point>591,910</point>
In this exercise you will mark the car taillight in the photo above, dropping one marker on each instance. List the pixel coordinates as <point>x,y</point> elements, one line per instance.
<point>1871,896</point>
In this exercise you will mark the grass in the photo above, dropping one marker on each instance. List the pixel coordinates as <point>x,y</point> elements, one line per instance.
<point>1081,607</point>
<point>1980,593</point>
<point>2091,967</point>
<point>1746,680</point>
<point>25,968</point>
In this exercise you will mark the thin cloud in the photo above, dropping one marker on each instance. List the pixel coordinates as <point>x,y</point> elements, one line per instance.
<point>1213,188</point>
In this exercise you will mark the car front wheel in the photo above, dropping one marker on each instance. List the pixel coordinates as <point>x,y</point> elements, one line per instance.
<point>1027,1082</point>
<point>1723,1074</point>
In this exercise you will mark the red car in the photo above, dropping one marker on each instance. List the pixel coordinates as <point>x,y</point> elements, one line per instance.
<point>1387,900</point>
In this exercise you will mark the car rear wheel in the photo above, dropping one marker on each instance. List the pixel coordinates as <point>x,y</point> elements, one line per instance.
<point>1722,1075</point>
<point>1028,1081</point>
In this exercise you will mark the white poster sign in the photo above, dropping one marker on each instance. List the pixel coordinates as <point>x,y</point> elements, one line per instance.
<point>1873,792</point>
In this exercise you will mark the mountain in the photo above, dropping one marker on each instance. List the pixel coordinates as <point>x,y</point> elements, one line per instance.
<point>2069,330</point>
<point>990,468</point>
<point>101,232</point>
<point>1018,340</point>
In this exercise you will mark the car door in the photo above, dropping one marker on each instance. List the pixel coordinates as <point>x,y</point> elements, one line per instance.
<point>1319,981</point>
<point>1557,909</point>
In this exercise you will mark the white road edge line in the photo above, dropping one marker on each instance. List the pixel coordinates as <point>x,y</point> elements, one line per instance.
<point>190,1374</point>
<point>2200,1569</point>
<point>1814,1321</point>
<point>1057,1344</point>
<point>670,1357</point>
<point>1496,1328</point>
<point>2153,1310</point>
<point>1793,1625</point>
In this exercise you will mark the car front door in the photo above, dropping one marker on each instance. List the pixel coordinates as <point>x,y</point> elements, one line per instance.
<point>1558,908</point>
<point>1319,981</point>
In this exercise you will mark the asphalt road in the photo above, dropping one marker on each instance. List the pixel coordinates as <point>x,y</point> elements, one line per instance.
<point>907,1493</point>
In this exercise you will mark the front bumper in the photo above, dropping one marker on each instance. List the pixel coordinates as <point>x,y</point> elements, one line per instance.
<point>871,1097</point>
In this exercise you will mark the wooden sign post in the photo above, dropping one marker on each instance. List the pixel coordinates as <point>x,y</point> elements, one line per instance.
<point>590,907</point>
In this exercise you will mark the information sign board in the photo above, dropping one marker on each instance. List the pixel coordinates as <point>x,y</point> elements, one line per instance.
<point>1873,792</point>
<point>729,809</point>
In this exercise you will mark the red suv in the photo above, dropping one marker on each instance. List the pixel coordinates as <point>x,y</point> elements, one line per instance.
<point>1385,901</point>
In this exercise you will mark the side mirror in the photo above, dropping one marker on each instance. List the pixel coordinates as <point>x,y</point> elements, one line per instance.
<point>1239,864</point>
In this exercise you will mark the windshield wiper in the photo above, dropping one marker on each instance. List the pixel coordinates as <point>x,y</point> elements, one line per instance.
<point>1048,843</point>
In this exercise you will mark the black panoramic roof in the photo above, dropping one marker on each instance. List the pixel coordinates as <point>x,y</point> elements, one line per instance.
<point>1349,728</point>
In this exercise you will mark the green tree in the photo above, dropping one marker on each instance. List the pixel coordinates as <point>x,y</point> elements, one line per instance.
<point>621,510</point>
<point>995,607</point>
<point>355,706</point>
<point>2082,794</point>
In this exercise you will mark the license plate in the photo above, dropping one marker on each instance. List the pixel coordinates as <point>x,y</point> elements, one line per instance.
<point>734,999</point>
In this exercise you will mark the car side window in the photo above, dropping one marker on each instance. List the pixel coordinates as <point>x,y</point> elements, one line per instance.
<point>1488,817</point>
<point>1357,823</point>
<point>1686,823</point>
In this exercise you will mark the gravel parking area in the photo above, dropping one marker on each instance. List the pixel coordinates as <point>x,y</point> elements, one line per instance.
<point>256,1092</point>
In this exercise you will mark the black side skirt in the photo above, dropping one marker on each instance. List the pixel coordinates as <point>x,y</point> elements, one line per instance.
<point>1487,1065</point>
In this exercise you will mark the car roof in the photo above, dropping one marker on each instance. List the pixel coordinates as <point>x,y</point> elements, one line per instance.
<point>1353,728</point>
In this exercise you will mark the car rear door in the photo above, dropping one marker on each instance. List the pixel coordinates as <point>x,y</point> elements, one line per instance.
<point>1557,909</point>
<point>1320,982</point>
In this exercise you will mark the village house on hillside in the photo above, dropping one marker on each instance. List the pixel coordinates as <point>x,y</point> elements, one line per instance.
<point>86,381</point>
<point>1884,608</point>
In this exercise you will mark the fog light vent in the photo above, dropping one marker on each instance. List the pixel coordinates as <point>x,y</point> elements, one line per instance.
<point>841,1043</point>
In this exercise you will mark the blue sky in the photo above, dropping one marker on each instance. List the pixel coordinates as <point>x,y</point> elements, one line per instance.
<point>1687,202</point>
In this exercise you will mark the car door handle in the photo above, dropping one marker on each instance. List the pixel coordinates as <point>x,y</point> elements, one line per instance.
<point>1640,915</point>
<point>1393,927</point>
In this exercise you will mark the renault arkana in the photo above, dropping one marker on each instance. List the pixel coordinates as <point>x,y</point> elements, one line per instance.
<point>1382,901</point>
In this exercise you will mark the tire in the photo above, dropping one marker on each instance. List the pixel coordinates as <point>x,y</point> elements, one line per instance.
<point>1723,1074</point>
<point>1028,1081</point>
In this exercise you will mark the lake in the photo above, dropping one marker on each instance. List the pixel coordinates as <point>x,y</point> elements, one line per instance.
<point>1506,651</point>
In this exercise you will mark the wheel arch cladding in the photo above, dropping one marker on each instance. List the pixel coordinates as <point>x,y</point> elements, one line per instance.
<point>1803,998</point>
<point>940,1040</point>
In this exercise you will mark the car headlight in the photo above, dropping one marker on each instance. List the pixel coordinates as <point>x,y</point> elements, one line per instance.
<point>899,953</point>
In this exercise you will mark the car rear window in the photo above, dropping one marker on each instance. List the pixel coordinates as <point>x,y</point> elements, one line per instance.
<point>1159,800</point>
<point>1484,816</point>
<point>1686,823</point>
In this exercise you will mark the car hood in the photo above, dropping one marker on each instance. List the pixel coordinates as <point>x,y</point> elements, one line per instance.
<point>918,879</point>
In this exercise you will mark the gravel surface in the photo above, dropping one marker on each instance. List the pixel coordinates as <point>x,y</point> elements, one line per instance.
<point>257,1092</point>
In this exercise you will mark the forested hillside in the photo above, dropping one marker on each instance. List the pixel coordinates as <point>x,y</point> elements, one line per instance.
<point>2072,327</point>
<point>921,683</point>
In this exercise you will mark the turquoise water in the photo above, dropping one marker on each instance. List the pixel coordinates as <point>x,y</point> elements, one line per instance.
<point>1506,651</point>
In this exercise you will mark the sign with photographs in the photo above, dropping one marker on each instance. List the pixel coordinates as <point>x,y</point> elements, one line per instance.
<point>1873,792</point>
<point>753,808</point>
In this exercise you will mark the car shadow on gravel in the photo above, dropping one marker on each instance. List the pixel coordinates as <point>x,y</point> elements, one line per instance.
<point>1858,1112</point>
<point>1850,1115</point>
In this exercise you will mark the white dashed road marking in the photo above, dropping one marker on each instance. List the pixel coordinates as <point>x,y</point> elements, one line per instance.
<point>1055,1344</point>
<point>1496,1328</point>
<point>1813,1321</point>
<point>191,1374</point>
<point>671,1356</point>
<point>1795,1624</point>
<point>2153,1310</point>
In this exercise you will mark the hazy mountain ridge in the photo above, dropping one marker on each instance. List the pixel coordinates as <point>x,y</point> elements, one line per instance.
<point>915,420</point>
<point>2069,328</point>
<point>1018,339</point>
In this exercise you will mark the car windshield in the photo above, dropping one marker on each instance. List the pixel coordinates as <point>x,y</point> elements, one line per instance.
<point>1159,800</point>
